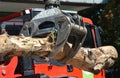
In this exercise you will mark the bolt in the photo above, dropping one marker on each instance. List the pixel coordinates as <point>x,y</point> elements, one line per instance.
<point>3,72</point>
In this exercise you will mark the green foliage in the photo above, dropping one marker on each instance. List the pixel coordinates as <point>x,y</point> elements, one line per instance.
<point>109,20</point>
<point>108,17</point>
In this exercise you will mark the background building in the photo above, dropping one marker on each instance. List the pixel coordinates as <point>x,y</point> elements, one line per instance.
<point>9,6</point>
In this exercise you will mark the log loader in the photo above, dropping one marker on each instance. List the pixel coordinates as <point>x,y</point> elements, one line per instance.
<point>66,28</point>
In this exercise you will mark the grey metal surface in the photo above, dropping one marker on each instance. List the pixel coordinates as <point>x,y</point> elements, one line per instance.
<point>64,24</point>
<point>61,22</point>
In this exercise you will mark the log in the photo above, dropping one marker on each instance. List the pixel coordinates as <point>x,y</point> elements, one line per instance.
<point>24,46</point>
<point>89,59</point>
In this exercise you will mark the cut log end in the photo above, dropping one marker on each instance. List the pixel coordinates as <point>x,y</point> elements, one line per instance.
<point>94,59</point>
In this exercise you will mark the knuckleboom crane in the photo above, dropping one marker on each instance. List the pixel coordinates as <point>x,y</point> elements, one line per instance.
<point>13,68</point>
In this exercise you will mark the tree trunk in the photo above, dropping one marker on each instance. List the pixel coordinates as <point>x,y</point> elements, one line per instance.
<point>89,59</point>
<point>24,46</point>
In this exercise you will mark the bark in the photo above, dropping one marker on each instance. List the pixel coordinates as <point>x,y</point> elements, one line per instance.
<point>24,46</point>
<point>89,59</point>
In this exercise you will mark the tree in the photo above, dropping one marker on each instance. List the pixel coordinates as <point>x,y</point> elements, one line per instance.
<point>108,17</point>
<point>109,20</point>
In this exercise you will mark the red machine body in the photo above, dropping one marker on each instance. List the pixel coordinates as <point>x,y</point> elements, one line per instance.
<point>8,69</point>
